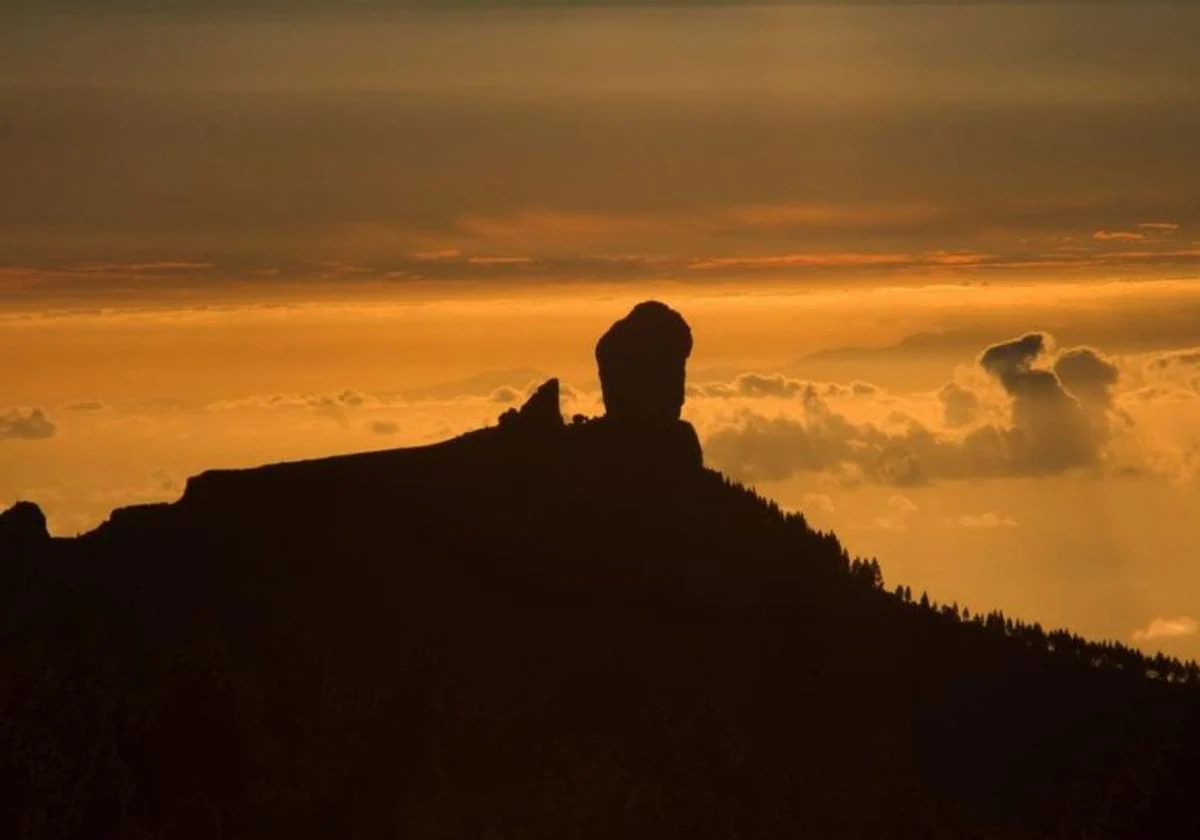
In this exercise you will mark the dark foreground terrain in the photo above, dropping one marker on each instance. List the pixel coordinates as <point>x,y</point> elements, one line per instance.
<point>541,630</point>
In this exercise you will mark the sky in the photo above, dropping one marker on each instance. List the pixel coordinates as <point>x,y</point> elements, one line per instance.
<point>941,262</point>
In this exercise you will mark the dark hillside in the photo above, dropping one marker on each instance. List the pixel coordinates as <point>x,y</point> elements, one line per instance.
<point>541,630</point>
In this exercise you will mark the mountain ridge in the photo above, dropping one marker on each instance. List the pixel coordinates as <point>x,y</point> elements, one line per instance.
<point>547,629</point>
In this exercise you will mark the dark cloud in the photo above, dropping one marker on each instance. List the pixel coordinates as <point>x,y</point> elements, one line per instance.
<point>25,424</point>
<point>1009,361</point>
<point>383,427</point>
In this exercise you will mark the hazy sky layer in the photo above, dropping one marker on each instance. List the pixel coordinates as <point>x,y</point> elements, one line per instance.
<point>237,236</point>
<point>517,146</point>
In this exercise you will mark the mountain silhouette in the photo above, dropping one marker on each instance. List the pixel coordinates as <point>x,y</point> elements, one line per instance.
<point>544,629</point>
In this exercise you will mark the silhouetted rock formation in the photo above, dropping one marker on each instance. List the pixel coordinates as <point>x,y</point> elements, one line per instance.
<point>22,528</point>
<point>642,371</point>
<point>540,413</point>
<point>642,362</point>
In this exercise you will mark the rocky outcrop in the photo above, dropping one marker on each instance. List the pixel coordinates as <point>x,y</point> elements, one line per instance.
<point>540,412</point>
<point>642,361</point>
<point>22,528</point>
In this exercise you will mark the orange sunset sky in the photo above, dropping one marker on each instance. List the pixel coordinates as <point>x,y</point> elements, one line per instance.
<point>238,232</point>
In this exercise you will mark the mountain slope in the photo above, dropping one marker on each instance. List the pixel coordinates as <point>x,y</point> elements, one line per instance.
<point>539,632</point>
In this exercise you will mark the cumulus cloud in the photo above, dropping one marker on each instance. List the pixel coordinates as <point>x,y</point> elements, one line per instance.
<point>1051,428</point>
<point>505,395</point>
<point>818,501</point>
<point>1178,367</point>
<point>335,406</point>
<point>338,401</point>
<point>756,385</point>
<point>1160,393</point>
<point>819,439</point>
<point>1052,412</point>
<point>353,409</point>
<point>899,510</point>
<point>776,385</point>
<point>986,521</point>
<point>510,394</point>
<point>1167,628</point>
<point>1189,357</point>
<point>960,406</point>
<point>25,424</point>
<point>855,389</point>
<point>1011,361</point>
<point>342,399</point>
<point>565,392</point>
<point>1088,375</point>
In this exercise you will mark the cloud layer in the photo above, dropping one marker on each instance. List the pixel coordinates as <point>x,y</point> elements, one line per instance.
<point>1023,409</point>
